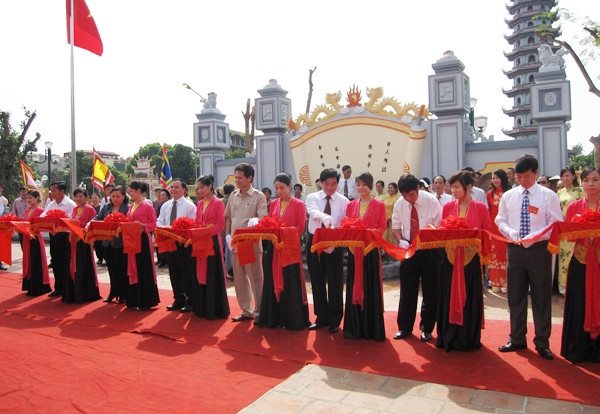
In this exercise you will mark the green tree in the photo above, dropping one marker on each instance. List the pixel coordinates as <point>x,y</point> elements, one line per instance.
<point>579,162</point>
<point>239,153</point>
<point>13,147</point>
<point>182,159</point>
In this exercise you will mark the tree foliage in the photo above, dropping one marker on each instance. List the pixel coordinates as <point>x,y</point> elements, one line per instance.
<point>239,153</point>
<point>588,39</point>
<point>13,147</point>
<point>579,162</point>
<point>182,159</point>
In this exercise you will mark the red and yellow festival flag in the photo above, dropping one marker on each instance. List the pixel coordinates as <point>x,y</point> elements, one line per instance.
<point>86,35</point>
<point>28,177</point>
<point>101,175</point>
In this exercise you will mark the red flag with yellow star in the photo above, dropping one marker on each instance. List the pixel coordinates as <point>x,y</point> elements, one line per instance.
<point>86,35</point>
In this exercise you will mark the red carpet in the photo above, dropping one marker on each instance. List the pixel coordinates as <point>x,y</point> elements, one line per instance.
<point>97,357</point>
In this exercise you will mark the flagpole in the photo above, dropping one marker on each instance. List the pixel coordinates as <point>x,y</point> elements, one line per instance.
<point>73,147</point>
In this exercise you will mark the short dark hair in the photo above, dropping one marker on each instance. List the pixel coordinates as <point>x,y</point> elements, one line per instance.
<point>60,185</point>
<point>441,176</point>
<point>267,190</point>
<point>228,189</point>
<point>408,183</point>
<point>329,173</point>
<point>381,183</point>
<point>464,177</point>
<point>298,186</point>
<point>394,185</point>
<point>284,178</point>
<point>183,185</point>
<point>346,167</point>
<point>22,188</point>
<point>80,190</point>
<point>246,168</point>
<point>366,178</point>
<point>526,162</point>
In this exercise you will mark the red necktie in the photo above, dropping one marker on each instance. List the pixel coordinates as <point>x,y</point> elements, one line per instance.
<point>327,207</point>
<point>414,223</point>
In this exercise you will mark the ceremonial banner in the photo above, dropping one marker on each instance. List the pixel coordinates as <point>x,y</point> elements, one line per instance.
<point>86,35</point>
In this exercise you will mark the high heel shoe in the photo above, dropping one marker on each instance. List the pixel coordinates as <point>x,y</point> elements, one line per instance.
<point>108,299</point>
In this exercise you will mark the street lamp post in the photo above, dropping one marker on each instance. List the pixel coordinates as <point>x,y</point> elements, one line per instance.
<point>51,160</point>
<point>186,86</point>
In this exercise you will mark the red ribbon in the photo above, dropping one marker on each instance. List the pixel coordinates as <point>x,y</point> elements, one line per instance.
<point>132,245</point>
<point>458,294</point>
<point>591,322</point>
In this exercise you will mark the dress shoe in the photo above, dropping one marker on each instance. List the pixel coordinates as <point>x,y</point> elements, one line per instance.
<point>175,306</point>
<point>2,267</point>
<point>425,337</point>
<point>402,334</point>
<point>316,326</point>
<point>334,329</point>
<point>545,353</point>
<point>108,299</point>
<point>241,318</point>
<point>510,347</point>
<point>54,293</point>
<point>186,309</point>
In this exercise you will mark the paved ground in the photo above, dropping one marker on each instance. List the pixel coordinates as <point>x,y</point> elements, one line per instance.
<point>321,389</point>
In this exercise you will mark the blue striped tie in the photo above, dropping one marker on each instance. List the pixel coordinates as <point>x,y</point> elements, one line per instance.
<point>524,230</point>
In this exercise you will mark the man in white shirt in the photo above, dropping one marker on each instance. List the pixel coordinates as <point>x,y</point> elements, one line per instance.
<point>524,212</point>
<point>413,211</point>
<point>346,185</point>
<point>59,243</point>
<point>439,185</point>
<point>181,265</point>
<point>326,208</point>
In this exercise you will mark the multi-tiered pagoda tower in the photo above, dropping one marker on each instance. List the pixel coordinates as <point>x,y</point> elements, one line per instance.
<point>527,17</point>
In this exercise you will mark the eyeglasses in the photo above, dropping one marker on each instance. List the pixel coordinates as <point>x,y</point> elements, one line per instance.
<point>542,182</point>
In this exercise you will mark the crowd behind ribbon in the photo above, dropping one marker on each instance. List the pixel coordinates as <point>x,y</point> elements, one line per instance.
<point>270,286</point>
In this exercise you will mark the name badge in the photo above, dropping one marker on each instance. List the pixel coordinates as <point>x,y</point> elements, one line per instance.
<point>533,209</point>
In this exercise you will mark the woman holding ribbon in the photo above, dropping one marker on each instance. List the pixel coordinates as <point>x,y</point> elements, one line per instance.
<point>143,292</point>
<point>290,309</point>
<point>364,302</point>
<point>116,260</point>
<point>462,330</point>
<point>581,325</point>
<point>82,285</point>
<point>36,280</point>
<point>209,290</point>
